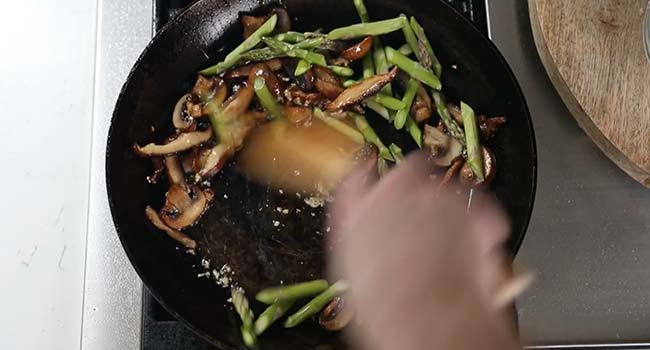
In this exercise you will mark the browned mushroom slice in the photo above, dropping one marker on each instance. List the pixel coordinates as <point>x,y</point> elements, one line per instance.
<point>454,110</point>
<point>274,64</point>
<point>178,236</point>
<point>204,87</point>
<point>305,99</point>
<point>468,177</point>
<point>180,119</point>
<point>489,126</point>
<point>284,21</point>
<point>158,170</point>
<point>272,82</point>
<point>451,172</point>
<point>362,90</point>
<point>181,143</point>
<point>298,115</point>
<point>304,81</point>
<point>251,24</point>
<point>443,149</point>
<point>175,174</point>
<point>358,51</point>
<point>327,83</point>
<point>215,159</point>
<point>184,206</point>
<point>336,315</point>
<point>422,107</point>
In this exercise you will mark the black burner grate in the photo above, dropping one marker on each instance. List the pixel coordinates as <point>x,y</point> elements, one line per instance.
<point>160,330</point>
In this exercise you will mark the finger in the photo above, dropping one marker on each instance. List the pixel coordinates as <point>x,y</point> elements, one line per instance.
<point>349,194</point>
<point>411,174</point>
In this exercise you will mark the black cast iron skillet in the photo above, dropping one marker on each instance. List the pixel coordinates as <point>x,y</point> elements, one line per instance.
<point>238,230</point>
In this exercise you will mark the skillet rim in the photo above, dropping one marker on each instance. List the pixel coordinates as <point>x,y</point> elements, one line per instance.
<point>514,244</point>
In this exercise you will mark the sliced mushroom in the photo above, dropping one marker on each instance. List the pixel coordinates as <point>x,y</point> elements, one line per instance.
<point>215,159</point>
<point>336,315</point>
<point>158,170</point>
<point>252,23</point>
<point>204,88</point>
<point>442,148</point>
<point>298,115</point>
<point>284,20</point>
<point>327,83</point>
<point>175,174</point>
<point>274,64</point>
<point>184,206</point>
<point>272,82</point>
<point>422,107</point>
<point>306,99</point>
<point>452,171</point>
<point>178,236</point>
<point>358,51</point>
<point>362,90</point>
<point>180,119</point>
<point>489,126</point>
<point>181,143</point>
<point>468,177</point>
<point>304,81</point>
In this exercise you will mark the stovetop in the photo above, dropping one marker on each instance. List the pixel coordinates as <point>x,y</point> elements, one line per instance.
<point>160,331</point>
<point>588,239</point>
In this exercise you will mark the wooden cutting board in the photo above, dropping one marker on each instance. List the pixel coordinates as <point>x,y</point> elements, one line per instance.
<point>593,53</point>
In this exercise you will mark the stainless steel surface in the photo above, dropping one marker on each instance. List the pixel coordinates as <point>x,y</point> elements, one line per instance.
<point>646,31</point>
<point>112,292</point>
<point>588,238</point>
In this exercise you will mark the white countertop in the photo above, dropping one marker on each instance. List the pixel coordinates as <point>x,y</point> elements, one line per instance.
<point>46,92</point>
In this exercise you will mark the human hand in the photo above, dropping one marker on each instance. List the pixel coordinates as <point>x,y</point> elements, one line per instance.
<point>424,270</point>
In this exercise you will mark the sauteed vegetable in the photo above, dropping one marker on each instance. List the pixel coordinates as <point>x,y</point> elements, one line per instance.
<point>337,77</point>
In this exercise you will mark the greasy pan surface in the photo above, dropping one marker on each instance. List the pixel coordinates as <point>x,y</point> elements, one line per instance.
<point>238,230</point>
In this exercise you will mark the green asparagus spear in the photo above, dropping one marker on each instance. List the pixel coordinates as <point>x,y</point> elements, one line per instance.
<point>405,50</point>
<point>270,315</point>
<point>382,167</point>
<point>268,101</point>
<point>368,66</point>
<point>388,101</point>
<point>291,292</point>
<point>361,10</point>
<point>302,67</point>
<point>414,69</point>
<point>348,83</point>
<point>242,307</point>
<point>310,43</point>
<point>454,129</point>
<point>249,43</point>
<point>397,153</point>
<point>411,39</point>
<point>258,55</point>
<point>414,130</point>
<point>379,109</point>
<point>370,136</point>
<point>290,37</point>
<point>342,71</point>
<point>317,304</point>
<point>283,48</point>
<point>249,337</point>
<point>339,126</point>
<point>364,29</point>
<point>474,152</point>
<point>422,38</point>
<point>411,90</point>
<point>379,63</point>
